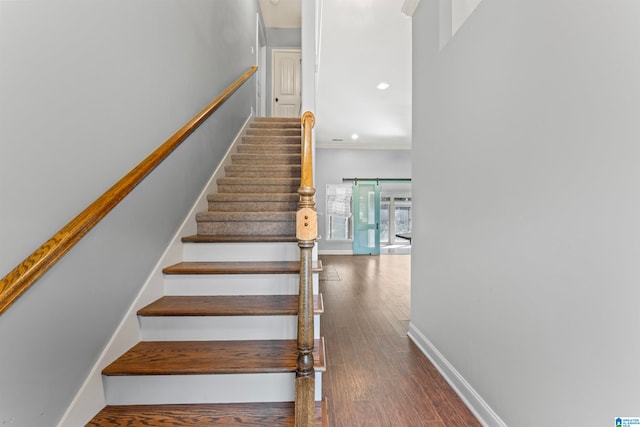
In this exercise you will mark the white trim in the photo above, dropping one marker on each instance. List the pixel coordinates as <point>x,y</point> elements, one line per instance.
<point>469,396</point>
<point>90,398</point>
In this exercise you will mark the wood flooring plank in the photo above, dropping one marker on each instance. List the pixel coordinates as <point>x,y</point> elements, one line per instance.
<point>375,375</point>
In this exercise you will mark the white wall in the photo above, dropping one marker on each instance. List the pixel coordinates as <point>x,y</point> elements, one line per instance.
<point>526,200</point>
<point>88,90</point>
<point>335,164</point>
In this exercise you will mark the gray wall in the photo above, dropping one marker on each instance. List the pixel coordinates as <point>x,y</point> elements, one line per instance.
<point>526,202</point>
<point>332,165</point>
<point>88,90</point>
<point>279,38</point>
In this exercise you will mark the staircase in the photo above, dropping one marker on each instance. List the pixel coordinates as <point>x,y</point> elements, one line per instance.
<point>219,348</point>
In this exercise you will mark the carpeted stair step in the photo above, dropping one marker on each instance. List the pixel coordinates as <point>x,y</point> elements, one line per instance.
<point>262,171</point>
<point>258,223</point>
<point>279,122</point>
<point>278,414</point>
<point>268,148</point>
<point>296,125</point>
<point>263,185</point>
<point>253,202</point>
<point>270,131</point>
<point>271,139</point>
<point>262,249</point>
<point>277,119</point>
<point>266,159</point>
<point>238,238</point>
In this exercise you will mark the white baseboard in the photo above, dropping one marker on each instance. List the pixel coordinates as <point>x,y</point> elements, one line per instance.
<point>335,252</point>
<point>90,398</point>
<point>469,396</point>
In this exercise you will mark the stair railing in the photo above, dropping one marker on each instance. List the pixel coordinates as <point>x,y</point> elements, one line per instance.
<point>35,265</point>
<point>306,233</point>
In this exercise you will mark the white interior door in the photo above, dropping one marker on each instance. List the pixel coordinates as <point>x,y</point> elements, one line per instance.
<point>286,83</point>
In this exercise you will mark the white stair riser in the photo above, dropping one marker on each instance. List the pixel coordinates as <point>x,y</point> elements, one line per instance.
<point>276,251</point>
<point>183,389</point>
<point>225,328</point>
<point>235,284</point>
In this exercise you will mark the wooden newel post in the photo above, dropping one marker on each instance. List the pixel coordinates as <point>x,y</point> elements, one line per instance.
<point>306,233</point>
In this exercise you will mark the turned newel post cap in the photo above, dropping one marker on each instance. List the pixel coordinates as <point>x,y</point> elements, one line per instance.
<point>309,115</point>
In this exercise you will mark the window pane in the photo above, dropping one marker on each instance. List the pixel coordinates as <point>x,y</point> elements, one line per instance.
<point>339,214</point>
<point>384,220</point>
<point>403,218</point>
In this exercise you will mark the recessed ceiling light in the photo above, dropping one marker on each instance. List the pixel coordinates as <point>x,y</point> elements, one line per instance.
<point>354,136</point>
<point>383,86</point>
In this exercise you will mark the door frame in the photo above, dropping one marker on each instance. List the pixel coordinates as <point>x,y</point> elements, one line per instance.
<point>261,61</point>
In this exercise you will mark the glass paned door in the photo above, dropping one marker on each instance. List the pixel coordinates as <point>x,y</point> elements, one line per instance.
<point>366,212</point>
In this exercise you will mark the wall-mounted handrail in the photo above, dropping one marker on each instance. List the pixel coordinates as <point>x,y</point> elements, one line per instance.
<point>306,233</point>
<point>33,267</point>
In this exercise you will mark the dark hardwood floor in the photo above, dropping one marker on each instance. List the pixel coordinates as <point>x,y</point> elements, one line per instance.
<point>375,375</point>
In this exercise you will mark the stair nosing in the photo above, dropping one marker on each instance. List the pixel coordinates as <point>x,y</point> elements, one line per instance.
<point>240,267</point>
<point>227,305</point>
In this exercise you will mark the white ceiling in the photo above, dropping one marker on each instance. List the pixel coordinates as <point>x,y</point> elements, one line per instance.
<point>281,13</point>
<point>363,43</point>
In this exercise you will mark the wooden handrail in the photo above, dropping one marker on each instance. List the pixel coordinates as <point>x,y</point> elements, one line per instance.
<point>33,267</point>
<point>306,233</point>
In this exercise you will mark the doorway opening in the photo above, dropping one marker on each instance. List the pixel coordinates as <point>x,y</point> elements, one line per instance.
<point>286,83</point>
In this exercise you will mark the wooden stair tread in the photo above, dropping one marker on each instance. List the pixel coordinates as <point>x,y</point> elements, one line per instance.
<point>211,357</point>
<point>257,267</point>
<point>228,305</point>
<point>278,414</point>
<point>239,238</point>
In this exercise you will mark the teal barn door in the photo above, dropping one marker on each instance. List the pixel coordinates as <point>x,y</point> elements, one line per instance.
<point>366,213</point>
